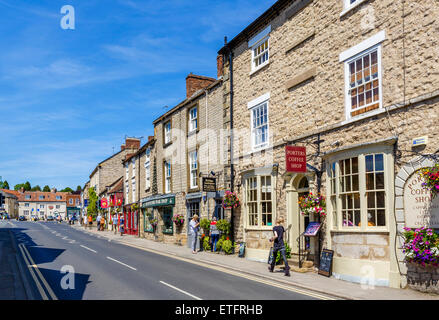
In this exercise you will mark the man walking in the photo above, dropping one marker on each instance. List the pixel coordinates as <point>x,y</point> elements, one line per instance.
<point>279,245</point>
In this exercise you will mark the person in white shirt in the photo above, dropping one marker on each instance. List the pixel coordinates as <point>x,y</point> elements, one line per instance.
<point>193,231</point>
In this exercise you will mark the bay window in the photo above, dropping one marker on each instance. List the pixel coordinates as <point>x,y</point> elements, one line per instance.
<point>360,190</point>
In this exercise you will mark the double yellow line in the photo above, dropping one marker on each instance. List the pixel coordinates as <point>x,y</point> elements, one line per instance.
<point>36,275</point>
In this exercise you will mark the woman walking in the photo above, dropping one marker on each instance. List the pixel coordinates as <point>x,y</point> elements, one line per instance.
<point>193,231</point>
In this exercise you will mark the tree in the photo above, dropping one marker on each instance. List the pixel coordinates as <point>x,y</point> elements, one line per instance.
<point>36,188</point>
<point>78,189</point>
<point>5,185</point>
<point>67,190</point>
<point>92,205</point>
<point>27,186</point>
<point>18,187</point>
<point>46,188</point>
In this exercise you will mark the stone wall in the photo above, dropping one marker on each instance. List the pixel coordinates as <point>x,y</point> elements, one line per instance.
<point>424,279</point>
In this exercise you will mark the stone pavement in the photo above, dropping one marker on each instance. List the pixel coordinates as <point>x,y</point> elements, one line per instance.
<point>12,277</point>
<point>309,281</point>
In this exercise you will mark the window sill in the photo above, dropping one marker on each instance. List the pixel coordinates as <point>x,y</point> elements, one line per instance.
<point>257,150</point>
<point>352,7</point>
<point>195,189</point>
<point>357,230</point>
<point>259,68</point>
<point>366,115</point>
<point>193,132</point>
<point>267,228</point>
<point>168,232</point>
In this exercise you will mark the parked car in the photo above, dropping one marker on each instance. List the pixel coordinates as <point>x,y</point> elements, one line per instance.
<point>22,218</point>
<point>34,218</point>
<point>50,218</point>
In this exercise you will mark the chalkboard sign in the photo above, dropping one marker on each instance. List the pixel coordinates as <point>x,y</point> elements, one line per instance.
<point>325,267</point>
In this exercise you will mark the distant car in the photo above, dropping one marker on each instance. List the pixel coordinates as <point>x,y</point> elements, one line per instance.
<point>33,218</point>
<point>50,218</point>
<point>22,218</point>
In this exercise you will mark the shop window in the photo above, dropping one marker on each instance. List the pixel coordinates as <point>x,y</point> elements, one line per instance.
<point>148,214</point>
<point>168,225</point>
<point>219,210</point>
<point>357,191</point>
<point>193,208</point>
<point>259,201</point>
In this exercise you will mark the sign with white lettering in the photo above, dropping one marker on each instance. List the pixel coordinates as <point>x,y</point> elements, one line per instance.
<point>419,207</point>
<point>295,159</point>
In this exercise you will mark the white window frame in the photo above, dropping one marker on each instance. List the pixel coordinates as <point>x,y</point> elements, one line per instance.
<point>27,197</point>
<point>41,206</point>
<point>148,169</point>
<point>167,132</point>
<point>26,205</point>
<point>259,103</point>
<point>133,165</point>
<point>168,176</point>
<point>133,183</point>
<point>259,200</point>
<point>193,120</point>
<point>367,46</point>
<point>58,206</point>
<point>193,169</point>
<point>126,171</point>
<point>348,6</point>
<point>254,43</point>
<point>336,223</point>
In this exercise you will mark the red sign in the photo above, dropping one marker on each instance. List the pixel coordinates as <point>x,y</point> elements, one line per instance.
<point>295,159</point>
<point>104,203</point>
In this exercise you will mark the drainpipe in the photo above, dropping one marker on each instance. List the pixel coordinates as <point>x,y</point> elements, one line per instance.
<point>232,174</point>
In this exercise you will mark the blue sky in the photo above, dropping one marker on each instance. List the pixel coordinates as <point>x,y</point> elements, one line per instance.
<point>68,97</point>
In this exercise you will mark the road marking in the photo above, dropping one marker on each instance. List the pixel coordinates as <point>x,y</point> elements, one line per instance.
<point>73,241</point>
<point>182,291</point>
<point>64,238</point>
<point>88,248</point>
<point>122,263</point>
<point>292,288</point>
<point>31,264</point>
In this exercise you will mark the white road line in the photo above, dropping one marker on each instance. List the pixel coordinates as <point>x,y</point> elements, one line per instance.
<point>88,248</point>
<point>122,263</point>
<point>182,291</point>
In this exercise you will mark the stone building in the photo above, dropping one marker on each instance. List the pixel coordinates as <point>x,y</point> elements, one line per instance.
<point>109,170</point>
<point>355,82</point>
<point>189,147</point>
<point>10,202</point>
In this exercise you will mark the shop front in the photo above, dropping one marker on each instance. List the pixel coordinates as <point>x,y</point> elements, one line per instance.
<point>73,212</point>
<point>157,213</point>
<point>131,217</point>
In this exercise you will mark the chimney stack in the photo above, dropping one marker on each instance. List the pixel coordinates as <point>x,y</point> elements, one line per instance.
<point>195,83</point>
<point>122,147</point>
<point>220,65</point>
<point>132,143</point>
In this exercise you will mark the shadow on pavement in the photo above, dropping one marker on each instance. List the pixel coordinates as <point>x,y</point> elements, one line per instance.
<point>66,285</point>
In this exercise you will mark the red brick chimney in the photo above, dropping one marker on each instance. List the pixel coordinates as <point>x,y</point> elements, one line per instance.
<point>122,147</point>
<point>220,65</point>
<point>195,83</point>
<point>132,143</point>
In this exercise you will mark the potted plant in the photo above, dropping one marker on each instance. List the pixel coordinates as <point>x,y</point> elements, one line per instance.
<point>205,225</point>
<point>154,222</point>
<point>431,179</point>
<point>230,200</point>
<point>134,207</point>
<point>312,204</point>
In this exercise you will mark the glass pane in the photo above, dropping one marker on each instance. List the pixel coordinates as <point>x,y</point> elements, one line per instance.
<point>381,218</point>
<point>341,164</point>
<point>355,183</point>
<point>369,163</point>
<point>354,165</point>
<point>380,200</point>
<point>357,217</point>
<point>371,220</point>
<point>379,162</point>
<point>356,200</point>
<point>369,181</point>
<point>371,200</point>
<point>350,202</point>
<point>344,201</point>
<point>348,166</point>
<point>348,183</point>
<point>380,181</point>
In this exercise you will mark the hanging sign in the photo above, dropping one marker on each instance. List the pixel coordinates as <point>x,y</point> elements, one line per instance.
<point>209,184</point>
<point>312,229</point>
<point>104,203</point>
<point>295,159</point>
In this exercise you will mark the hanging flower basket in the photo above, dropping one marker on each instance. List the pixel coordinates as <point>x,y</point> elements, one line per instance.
<point>230,200</point>
<point>134,207</point>
<point>153,222</point>
<point>178,219</point>
<point>421,246</point>
<point>312,204</point>
<point>431,179</point>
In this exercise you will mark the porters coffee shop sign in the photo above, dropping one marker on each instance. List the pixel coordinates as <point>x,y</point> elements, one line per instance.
<point>421,209</point>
